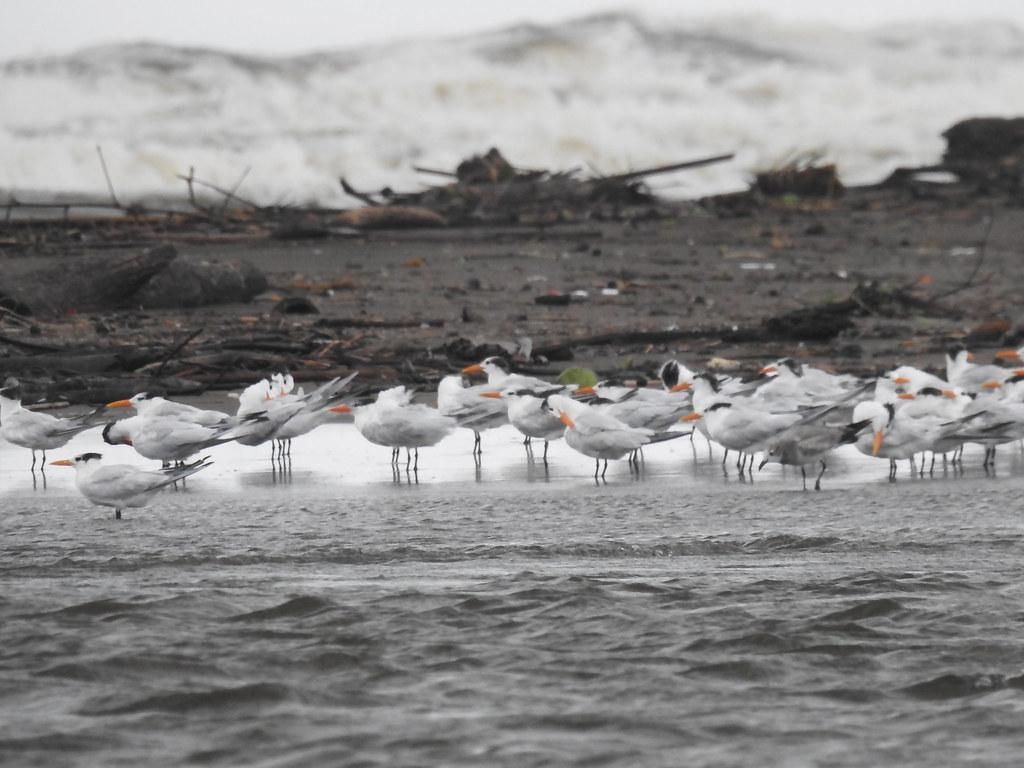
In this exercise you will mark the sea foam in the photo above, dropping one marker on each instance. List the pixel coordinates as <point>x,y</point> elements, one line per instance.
<point>603,94</point>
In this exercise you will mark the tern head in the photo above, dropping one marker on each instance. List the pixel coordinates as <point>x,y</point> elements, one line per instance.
<point>113,435</point>
<point>958,353</point>
<point>773,454</point>
<point>710,378</point>
<point>675,376</point>
<point>81,460</point>
<point>130,402</point>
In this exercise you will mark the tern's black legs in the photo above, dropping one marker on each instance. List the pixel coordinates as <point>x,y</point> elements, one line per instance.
<point>477,448</point>
<point>117,514</point>
<point>817,482</point>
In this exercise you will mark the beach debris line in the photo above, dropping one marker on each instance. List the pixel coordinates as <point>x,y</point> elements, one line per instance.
<point>488,189</point>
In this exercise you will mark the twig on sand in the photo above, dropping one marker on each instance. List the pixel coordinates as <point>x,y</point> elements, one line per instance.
<point>982,250</point>
<point>175,350</point>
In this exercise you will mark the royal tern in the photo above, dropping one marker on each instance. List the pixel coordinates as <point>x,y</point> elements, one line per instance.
<point>529,413</point>
<point>811,439</point>
<point>599,435</point>
<point>790,383</point>
<point>395,421</point>
<point>151,406</point>
<point>656,409</point>
<point>122,486</point>
<point>38,431</point>
<point>912,379</point>
<point>961,372</point>
<point>736,423</point>
<point>276,413</point>
<point>167,439</point>
<point>499,375</point>
<point>464,404</point>
<point>896,435</point>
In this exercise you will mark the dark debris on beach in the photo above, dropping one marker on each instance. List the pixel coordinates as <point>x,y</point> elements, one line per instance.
<point>100,300</point>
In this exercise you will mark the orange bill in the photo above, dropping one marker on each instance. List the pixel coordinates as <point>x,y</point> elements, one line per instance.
<point>691,416</point>
<point>585,390</point>
<point>680,387</point>
<point>1008,354</point>
<point>474,368</point>
<point>905,396</point>
<point>565,419</point>
<point>992,385</point>
<point>120,404</point>
<point>768,369</point>
<point>901,380</point>
<point>876,444</point>
<point>63,463</point>
<point>340,408</point>
<point>949,393</point>
<point>494,395</point>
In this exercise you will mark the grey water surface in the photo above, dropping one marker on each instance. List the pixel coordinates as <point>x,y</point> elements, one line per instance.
<point>341,614</point>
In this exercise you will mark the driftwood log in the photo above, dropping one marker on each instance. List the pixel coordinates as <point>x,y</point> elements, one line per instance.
<point>100,283</point>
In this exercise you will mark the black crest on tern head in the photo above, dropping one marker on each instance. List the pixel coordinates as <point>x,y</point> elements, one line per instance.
<point>106,433</point>
<point>669,374</point>
<point>88,456</point>
<point>500,362</point>
<point>933,391</point>
<point>710,378</point>
<point>892,412</point>
<point>955,349</point>
<point>792,364</point>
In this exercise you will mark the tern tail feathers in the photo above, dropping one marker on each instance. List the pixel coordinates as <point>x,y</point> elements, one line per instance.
<point>660,437</point>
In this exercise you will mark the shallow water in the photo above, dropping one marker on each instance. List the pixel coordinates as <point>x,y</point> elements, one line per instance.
<point>507,616</point>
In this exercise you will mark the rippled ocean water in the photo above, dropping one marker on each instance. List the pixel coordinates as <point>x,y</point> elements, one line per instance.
<point>505,615</point>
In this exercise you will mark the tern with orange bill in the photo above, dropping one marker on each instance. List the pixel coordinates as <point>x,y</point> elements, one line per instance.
<point>393,420</point>
<point>499,375</point>
<point>122,486</point>
<point>155,406</point>
<point>529,413</point>
<point>465,404</point>
<point>736,423</point>
<point>962,372</point>
<point>600,436</point>
<point>37,431</point>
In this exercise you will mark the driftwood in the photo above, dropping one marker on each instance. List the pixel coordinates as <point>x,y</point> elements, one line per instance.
<point>100,283</point>
<point>487,189</point>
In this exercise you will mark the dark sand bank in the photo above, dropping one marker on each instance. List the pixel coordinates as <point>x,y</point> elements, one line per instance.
<point>699,283</point>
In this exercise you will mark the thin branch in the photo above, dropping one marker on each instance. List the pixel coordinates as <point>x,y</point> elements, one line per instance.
<point>982,250</point>
<point>351,192</point>
<point>434,171</point>
<point>192,180</point>
<point>629,175</point>
<point>175,350</point>
<point>231,194</point>
<point>106,174</point>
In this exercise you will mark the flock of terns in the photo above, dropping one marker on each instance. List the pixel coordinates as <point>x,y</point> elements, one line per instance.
<point>790,413</point>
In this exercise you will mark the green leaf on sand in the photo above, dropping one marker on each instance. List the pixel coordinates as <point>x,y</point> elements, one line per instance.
<point>581,377</point>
